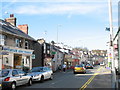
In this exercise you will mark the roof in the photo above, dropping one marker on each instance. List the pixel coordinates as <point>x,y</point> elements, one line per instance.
<point>8,28</point>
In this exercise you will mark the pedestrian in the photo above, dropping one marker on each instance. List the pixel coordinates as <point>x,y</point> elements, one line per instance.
<point>60,68</point>
<point>64,67</point>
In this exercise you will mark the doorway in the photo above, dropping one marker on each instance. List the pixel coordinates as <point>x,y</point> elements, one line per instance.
<point>17,61</point>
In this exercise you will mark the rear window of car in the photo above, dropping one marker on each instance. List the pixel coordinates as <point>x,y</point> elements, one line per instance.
<point>79,66</point>
<point>4,73</point>
<point>37,69</point>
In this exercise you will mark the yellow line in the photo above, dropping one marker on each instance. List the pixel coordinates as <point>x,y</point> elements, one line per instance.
<point>99,69</point>
<point>90,80</point>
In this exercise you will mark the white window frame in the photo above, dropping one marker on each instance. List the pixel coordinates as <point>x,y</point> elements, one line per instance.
<point>18,42</point>
<point>2,39</point>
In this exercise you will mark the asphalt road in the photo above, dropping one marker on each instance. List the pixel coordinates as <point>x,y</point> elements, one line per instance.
<point>71,81</point>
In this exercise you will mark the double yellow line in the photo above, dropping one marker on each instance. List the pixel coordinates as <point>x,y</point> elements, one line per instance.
<point>90,80</point>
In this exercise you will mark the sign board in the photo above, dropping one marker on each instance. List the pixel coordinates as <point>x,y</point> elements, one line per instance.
<point>4,53</point>
<point>33,56</point>
<point>16,50</point>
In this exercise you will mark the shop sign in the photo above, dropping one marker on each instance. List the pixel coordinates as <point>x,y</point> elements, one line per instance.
<point>16,50</point>
<point>4,53</point>
<point>33,56</point>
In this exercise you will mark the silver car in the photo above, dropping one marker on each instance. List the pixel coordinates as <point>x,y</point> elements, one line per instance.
<point>11,78</point>
<point>41,73</point>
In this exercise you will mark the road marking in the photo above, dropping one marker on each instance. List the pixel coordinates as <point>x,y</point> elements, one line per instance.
<point>99,68</point>
<point>90,80</point>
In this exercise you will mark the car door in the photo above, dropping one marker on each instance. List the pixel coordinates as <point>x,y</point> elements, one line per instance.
<point>49,71</point>
<point>24,78</point>
<point>16,77</point>
<point>45,72</point>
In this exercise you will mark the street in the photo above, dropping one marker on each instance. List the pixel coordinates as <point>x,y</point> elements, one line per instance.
<point>68,80</point>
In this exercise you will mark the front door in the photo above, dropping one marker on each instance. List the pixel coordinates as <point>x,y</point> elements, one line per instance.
<point>17,61</point>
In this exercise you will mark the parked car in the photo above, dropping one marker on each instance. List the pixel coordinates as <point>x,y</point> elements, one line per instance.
<point>11,78</point>
<point>89,66</point>
<point>102,64</point>
<point>79,69</point>
<point>41,73</point>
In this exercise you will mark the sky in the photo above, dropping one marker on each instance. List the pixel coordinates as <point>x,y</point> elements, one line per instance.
<point>79,23</point>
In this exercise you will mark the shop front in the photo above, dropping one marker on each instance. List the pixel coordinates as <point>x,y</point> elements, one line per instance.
<point>17,58</point>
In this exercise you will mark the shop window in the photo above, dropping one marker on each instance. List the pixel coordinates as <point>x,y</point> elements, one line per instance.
<point>48,51</point>
<point>22,61</point>
<point>27,60</point>
<point>6,60</point>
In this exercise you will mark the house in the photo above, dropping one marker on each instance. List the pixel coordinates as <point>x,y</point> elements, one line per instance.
<point>16,46</point>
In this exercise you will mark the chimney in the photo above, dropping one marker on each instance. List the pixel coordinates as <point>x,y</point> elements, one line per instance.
<point>23,28</point>
<point>11,20</point>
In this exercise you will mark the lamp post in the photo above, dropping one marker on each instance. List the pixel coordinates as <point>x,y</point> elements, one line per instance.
<point>111,44</point>
<point>59,25</point>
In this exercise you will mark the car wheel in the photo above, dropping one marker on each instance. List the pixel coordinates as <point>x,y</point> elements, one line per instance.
<point>42,79</point>
<point>51,77</point>
<point>74,72</point>
<point>13,86</point>
<point>30,82</point>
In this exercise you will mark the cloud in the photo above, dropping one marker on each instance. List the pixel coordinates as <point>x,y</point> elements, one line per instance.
<point>59,8</point>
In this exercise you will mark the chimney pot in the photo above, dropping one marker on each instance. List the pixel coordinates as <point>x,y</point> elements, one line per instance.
<point>11,15</point>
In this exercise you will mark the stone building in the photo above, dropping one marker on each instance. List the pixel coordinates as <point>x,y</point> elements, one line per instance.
<point>16,46</point>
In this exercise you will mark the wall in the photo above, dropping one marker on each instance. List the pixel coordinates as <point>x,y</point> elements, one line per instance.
<point>10,60</point>
<point>38,61</point>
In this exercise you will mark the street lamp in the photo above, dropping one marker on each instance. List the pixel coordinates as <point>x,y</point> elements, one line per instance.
<point>111,44</point>
<point>59,25</point>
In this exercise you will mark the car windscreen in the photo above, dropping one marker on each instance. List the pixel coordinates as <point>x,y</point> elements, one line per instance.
<point>88,65</point>
<point>4,73</point>
<point>38,69</point>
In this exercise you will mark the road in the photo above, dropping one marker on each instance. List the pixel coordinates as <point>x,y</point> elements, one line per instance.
<point>69,80</point>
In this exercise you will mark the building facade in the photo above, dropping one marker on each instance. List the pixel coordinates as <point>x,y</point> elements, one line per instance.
<point>16,46</point>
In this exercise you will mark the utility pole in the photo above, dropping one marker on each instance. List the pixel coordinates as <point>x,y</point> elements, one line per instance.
<point>112,45</point>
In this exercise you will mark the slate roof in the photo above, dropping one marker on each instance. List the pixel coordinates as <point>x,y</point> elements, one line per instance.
<point>8,28</point>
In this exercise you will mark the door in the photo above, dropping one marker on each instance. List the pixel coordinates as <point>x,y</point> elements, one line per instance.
<point>45,72</point>
<point>17,61</point>
<point>24,78</point>
<point>16,77</point>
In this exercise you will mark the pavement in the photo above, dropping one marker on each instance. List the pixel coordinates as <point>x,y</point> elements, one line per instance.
<point>118,81</point>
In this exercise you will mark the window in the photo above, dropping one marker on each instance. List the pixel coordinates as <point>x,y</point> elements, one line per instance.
<point>14,73</point>
<point>18,42</point>
<point>4,73</point>
<point>6,60</point>
<point>26,45</point>
<point>21,72</point>
<point>27,59</point>
<point>2,39</point>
